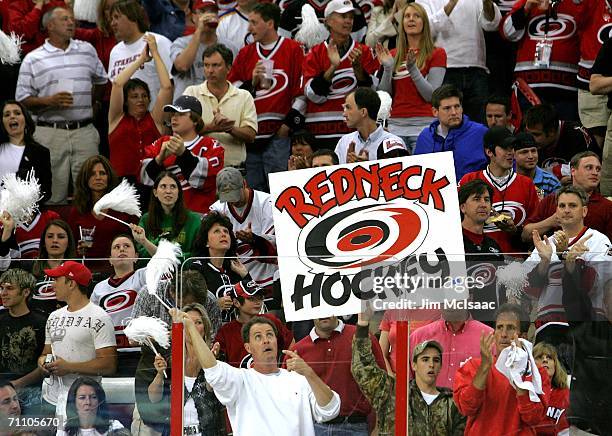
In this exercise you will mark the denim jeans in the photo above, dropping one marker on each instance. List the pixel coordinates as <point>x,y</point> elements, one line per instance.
<point>473,83</point>
<point>343,429</point>
<point>271,158</point>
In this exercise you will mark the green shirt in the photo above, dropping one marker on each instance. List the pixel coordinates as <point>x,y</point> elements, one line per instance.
<point>185,238</point>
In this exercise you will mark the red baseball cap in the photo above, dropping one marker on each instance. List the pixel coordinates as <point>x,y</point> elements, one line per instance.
<point>247,289</point>
<point>73,270</point>
<point>201,4</point>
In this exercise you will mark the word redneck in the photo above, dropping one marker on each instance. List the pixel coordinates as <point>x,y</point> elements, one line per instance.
<point>344,185</point>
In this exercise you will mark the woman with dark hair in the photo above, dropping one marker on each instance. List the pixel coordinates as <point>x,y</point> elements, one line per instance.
<point>130,124</point>
<point>19,152</point>
<point>56,244</point>
<point>95,232</point>
<point>217,244</point>
<point>87,410</point>
<point>167,218</point>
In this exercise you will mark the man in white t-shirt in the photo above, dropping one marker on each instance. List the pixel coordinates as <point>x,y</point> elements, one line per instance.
<point>265,399</point>
<point>79,338</point>
<point>128,22</point>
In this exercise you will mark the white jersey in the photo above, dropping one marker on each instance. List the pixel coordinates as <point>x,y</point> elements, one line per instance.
<point>234,26</point>
<point>258,214</point>
<point>379,137</point>
<point>281,403</point>
<point>75,337</point>
<point>124,54</point>
<point>550,305</point>
<point>117,298</point>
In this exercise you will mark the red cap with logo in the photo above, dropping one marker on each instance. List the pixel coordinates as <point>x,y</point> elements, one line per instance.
<point>200,4</point>
<point>73,270</point>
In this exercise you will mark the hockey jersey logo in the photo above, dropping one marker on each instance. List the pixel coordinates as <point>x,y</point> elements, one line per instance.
<point>280,82</point>
<point>118,301</point>
<point>605,33</point>
<point>562,27</point>
<point>515,209</point>
<point>343,83</point>
<point>484,271</point>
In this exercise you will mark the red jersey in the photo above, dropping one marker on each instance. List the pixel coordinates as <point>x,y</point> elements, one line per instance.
<point>563,32</point>
<point>407,102</point>
<point>28,235</point>
<point>127,142</point>
<point>229,337</point>
<point>196,169</point>
<point>517,196</point>
<point>555,420</point>
<point>497,409</point>
<point>324,118</point>
<point>272,104</point>
<point>597,30</point>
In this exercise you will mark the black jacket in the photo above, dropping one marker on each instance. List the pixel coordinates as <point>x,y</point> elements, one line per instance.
<point>38,158</point>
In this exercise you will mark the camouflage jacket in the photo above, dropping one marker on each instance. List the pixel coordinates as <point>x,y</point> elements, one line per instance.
<point>377,386</point>
<point>441,418</point>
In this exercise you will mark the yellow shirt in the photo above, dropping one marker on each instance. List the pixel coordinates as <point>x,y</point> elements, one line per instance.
<point>236,104</point>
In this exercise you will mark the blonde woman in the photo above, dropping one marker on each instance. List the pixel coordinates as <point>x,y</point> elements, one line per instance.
<point>411,72</point>
<point>546,356</point>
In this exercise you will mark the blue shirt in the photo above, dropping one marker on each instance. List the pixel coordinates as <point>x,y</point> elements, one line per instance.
<point>545,181</point>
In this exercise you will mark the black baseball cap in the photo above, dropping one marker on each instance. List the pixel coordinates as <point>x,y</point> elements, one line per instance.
<point>498,136</point>
<point>524,140</point>
<point>184,104</point>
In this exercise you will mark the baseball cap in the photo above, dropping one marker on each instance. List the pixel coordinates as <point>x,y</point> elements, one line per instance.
<point>247,289</point>
<point>201,4</point>
<point>391,148</point>
<point>422,346</point>
<point>229,185</point>
<point>184,104</point>
<point>73,270</point>
<point>524,140</point>
<point>340,7</point>
<point>498,136</point>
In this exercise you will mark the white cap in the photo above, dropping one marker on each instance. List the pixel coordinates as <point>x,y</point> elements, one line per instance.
<point>340,7</point>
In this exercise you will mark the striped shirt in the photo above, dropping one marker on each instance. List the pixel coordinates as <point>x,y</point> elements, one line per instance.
<point>546,182</point>
<point>49,70</point>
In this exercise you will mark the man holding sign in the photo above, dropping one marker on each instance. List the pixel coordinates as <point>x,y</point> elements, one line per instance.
<point>265,399</point>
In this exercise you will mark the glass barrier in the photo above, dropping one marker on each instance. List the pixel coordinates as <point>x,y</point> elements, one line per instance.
<point>57,350</point>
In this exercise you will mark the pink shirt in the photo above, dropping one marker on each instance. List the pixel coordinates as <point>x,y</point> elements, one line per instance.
<point>457,346</point>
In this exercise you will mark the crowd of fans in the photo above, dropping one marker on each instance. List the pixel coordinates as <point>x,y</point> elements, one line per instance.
<point>196,102</point>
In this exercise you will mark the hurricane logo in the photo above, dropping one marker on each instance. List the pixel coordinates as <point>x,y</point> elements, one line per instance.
<point>224,290</point>
<point>555,274</point>
<point>563,27</point>
<point>246,362</point>
<point>356,237</point>
<point>280,81</point>
<point>343,83</point>
<point>484,271</point>
<point>44,291</point>
<point>515,209</point>
<point>118,301</point>
<point>605,33</point>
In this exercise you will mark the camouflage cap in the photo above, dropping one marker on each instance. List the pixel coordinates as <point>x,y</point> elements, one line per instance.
<point>424,345</point>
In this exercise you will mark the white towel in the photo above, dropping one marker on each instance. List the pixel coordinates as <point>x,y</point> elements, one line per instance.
<point>516,363</point>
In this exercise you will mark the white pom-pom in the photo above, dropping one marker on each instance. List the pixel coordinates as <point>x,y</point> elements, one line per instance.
<point>20,197</point>
<point>385,107</point>
<point>10,48</point>
<point>123,198</point>
<point>86,10</point>
<point>163,263</point>
<point>143,328</point>
<point>514,277</point>
<point>311,32</point>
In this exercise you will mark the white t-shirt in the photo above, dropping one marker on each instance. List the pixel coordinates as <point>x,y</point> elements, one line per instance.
<point>234,26</point>
<point>114,425</point>
<point>10,157</point>
<point>258,404</point>
<point>429,398</point>
<point>75,337</point>
<point>124,54</point>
